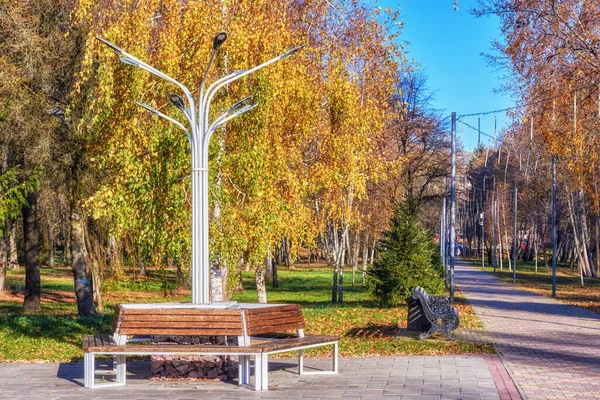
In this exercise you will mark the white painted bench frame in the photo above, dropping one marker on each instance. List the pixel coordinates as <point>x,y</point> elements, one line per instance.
<point>89,360</point>
<point>261,360</point>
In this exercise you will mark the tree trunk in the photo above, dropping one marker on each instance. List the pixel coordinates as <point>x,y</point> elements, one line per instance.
<point>355,256</point>
<point>67,259</point>
<point>499,238</point>
<point>32,256</point>
<point>598,244</point>
<point>275,276</point>
<point>83,287</point>
<point>13,257</point>
<point>4,250</point>
<point>335,251</point>
<point>585,236</point>
<point>239,267</point>
<point>261,289</point>
<point>93,264</point>
<point>372,253</point>
<point>269,266</point>
<point>216,283</point>
<point>506,246</point>
<point>344,245</point>
<point>365,256</point>
<point>50,246</point>
<point>575,236</point>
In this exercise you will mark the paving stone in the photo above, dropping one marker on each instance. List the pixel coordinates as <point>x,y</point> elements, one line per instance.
<point>551,348</point>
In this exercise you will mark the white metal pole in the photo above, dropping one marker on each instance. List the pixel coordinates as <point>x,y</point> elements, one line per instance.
<point>199,140</point>
<point>452,205</point>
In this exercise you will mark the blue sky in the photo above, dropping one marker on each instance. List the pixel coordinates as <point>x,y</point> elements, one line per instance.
<point>448,44</point>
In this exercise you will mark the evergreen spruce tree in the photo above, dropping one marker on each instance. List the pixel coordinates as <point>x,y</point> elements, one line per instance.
<point>407,259</point>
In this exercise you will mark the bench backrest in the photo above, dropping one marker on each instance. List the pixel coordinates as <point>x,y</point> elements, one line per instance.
<point>137,320</point>
<point>273,319</point>
<point>178,322</point>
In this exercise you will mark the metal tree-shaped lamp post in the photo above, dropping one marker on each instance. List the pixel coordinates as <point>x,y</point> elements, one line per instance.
<point>201,132</point>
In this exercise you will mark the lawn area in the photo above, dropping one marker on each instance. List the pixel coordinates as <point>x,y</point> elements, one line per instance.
<point>55,333</point>
<point>568,283</point>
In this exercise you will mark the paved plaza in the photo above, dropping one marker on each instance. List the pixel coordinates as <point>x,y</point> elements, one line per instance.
<point>417,377</point>
<point>552,349</point>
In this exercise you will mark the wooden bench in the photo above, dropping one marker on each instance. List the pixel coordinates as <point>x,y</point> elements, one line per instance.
<point>261,330</point>
<point>442,316</point>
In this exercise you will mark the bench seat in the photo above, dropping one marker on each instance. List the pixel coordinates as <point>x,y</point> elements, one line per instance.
<point>270,323</point>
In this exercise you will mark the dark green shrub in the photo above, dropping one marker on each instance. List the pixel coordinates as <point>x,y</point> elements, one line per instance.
<point>408,258</point>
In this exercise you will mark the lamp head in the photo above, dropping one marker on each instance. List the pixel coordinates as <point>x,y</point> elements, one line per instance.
<point>177,101</point>
<point>243,102</point>
<point>129,61</point>
<point>219,40</point>
<point>292,51</point>
<point>111,45</point>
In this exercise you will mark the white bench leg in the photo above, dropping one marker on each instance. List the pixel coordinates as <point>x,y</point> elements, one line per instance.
<point>88,370</point>
<point>121,368</point>
<point>300,362</point>
<point>335,358</point>
<point>264,364</point>
<point>257,372</point>
<point>335,361</point>
<point>244,370</point>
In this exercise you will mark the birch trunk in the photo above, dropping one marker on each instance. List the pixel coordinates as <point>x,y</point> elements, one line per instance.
<point>261,288</point>
<point>355,256</point>
<point>585,237</point>
<point>216,283</point>
<point>345,245</point>
<point>365,256</point>
<point>506,238</point>
<point>372,253</point>
<point>334,250</point>
<point>50,246</point>
<point>13,260</point>
<point>575,236</point>
<point>83,286</point>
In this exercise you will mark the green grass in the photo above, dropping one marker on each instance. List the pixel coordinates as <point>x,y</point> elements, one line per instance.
<point>365,329</point>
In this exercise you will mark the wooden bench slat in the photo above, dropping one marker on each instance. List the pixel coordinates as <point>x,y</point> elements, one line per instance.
<point>184,324</point>
<point>275,315</point>
<point>173,331</point>
<point>274,328</point>
<point>276,321</point>
<point>175,318</point>
<point>181,311</point>
<point>270,309</point>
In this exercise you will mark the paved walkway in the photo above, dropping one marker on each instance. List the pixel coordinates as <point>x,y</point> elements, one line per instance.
<point>414,377</point>
<point>551,348</point>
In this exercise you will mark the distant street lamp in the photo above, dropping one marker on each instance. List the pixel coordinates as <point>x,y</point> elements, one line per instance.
<point>201,132</point>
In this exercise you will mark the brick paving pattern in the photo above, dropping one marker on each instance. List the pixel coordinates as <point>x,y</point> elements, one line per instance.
<point>551,348</point>
<point>412,377</point>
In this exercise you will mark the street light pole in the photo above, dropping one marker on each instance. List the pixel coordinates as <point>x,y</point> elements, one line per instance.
<point>554,226</point>
<point>515,233</point>
<point>483,225</point>
<point>201,131</point>
<point>452,204</point>
<point>494,211</point>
